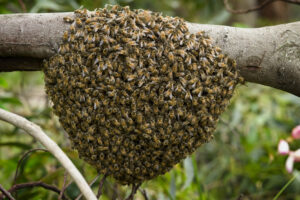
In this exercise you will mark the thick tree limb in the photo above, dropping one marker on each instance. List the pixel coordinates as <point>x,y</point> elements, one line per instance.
<point>36,132</point>
<point>268,56</point>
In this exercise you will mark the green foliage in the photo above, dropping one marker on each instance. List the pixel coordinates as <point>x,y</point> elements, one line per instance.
<point>241,160</point>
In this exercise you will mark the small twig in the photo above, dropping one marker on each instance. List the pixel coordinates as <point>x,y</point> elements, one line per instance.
<point>20,162</point>
<point>64,186</point>
<point>69,184</point>
<point>91,184</point>
<point>6,193</point>
<point>116,193</point>
<point>284,187</point>
<point>144,193</point>
<point>259,7</point>
<point>240,197</point>
<point>23,6</point>
<point>99,193</point>
<point>115,188</point>
<point>36,132</point>
<point>233,129</point>
<point>135,187</point>
<point>33,184</point>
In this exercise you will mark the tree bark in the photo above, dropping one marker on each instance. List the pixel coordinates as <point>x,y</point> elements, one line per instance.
<point>268,55</point>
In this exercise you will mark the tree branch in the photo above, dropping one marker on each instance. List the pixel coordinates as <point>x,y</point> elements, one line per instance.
<point>36,132</point>
<point>268,56</point>
<point>91,184</point>
<point>6,193</point>
<point>33,184</point>
<point>64,186</point>
<point>20,162</point>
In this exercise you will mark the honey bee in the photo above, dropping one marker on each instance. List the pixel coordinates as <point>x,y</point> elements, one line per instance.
<point>102,156</point>
<point>123,150</point>
<point>148,131</point>
<point>130,121</point>
<point>89,38</point>
<point>72,28</point>
<point>128,87</point>
<point>188,95</point>
<point>193,81</point>
<point>79,33</point>
<point>65,36</point>
<point>162,35</point>
<point>181,52</point>
<point>179,88</point>
<point>106,29</point>
<point>198,91</point>
<point>61,61</point>
<point>71,37</point>
<point>131,77</point>
<point>222,65</point>
<point>171,57</point>
<point>78,22</point>
<point>180,113</point>
<point>105,132</point>
<point>68,19</point>
<point>172,114</point>
<point>160,120</point>
<point>116,122</point>
<point>139,118</point>
<point>84,71</point>
<point>230,85</point>
<point>62,49</point>
<point>73,125</point>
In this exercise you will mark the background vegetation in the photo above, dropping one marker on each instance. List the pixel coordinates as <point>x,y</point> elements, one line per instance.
<point>240,163</point>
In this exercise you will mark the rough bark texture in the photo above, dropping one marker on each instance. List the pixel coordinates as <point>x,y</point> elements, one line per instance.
<point>268,56</point>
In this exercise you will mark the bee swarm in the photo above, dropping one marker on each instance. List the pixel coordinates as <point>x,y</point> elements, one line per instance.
<point>135,91</point>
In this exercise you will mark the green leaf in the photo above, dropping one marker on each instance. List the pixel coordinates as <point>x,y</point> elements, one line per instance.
<point>10,100</point>
<point>3,83</point>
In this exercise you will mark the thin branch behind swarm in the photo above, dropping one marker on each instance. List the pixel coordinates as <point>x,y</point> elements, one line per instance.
<point>64,186</point>
<point>259,7</point>
<point>36,132</point>
<point>91,184</point>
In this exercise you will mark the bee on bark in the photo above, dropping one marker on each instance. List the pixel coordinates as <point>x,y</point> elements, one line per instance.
<point>68,19</point>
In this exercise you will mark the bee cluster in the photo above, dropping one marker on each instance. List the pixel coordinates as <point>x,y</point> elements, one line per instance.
<point>135,91</point>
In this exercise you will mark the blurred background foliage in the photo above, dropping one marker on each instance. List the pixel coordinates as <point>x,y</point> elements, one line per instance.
<point>240,163</point>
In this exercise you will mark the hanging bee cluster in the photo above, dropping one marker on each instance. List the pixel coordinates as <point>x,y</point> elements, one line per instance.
<point>135,91</point>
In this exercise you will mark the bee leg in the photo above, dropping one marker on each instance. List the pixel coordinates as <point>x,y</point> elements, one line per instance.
<point>101,185</point>
<point>135,187</point>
